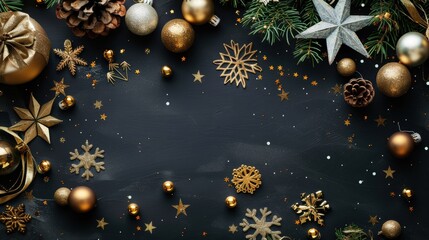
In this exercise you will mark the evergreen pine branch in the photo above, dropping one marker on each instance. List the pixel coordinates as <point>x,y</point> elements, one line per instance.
<point>351,232</point>
<point>234,3</point>
<point>11,5</point>
<point>51,3</point>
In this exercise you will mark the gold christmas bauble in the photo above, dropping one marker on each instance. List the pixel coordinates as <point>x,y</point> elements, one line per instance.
<point>166,71</point>
<point>9,158</point>
<point>391,229</point>
<point>61,196</point>
<point>401,144</point>
<point>231,201</point>
<point>197,11</point>
<point>141,19</point>
<point>177,35</point>
<point>133,209</point>
<point>407,193</point>
<point>109,55</point>
<point>346,67</point>
<point>412,49</point>
<point>82,199</point>
<point>168,186</point>
<point>313,233</point>
<point>44,166</point>
<point>69,100</point>
<point>394,79</point>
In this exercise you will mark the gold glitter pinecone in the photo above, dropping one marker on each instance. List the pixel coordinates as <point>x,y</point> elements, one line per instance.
<point>358,92</point>
<point>92,17</point>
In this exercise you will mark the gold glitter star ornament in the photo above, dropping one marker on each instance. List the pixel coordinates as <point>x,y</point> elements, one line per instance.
<point>36,120</point>
<point>15,218</point>
<point>246,179</point>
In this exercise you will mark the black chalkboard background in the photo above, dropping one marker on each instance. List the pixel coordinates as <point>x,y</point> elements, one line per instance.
<point>207,130</point>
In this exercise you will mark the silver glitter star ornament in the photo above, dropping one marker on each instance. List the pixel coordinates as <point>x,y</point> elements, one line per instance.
<point>337,27</point>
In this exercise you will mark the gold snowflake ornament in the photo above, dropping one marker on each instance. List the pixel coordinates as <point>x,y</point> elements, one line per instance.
<point>70,57</point>
<point>246,179</point>
<point>15,218</point>
<point>237,62</point>
<point>261,225</point>
<point>312,208</point>
<point>87,160</point>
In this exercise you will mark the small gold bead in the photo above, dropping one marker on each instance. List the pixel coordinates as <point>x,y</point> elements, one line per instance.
<point>168,186</point>
<point>108,55</point>
<point>44,166</point>
<point>231,202</point>
<point>133,209</point>
<point>166,71</point>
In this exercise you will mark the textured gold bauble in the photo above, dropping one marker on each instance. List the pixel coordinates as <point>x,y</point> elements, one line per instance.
<point>166,71</point>
<point>109,55</point>
<point>82,199</point>
<point>133,209</point>
<point>407,193</point>
<point>197,11</point>
<point>412,49</point>
<point>401,144</point>
<point>394,79</point>
<point>61,196</point>
<point>141,19</point>
<point>391,229</point>
<point>346,67</point>
<point>44,166</point>
<point>168,186</point>
<point>313,233</point>
<point>177,35</point>
<point>231,201</point>
<point>9,158</point>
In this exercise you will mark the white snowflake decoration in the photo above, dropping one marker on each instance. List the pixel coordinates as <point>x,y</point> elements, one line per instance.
<point>265,2</point>
<point>87,160</point>
<point>261,225</point>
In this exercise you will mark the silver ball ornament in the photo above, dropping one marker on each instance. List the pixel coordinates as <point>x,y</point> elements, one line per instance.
<point>141,19</point>
<point>412,49</point>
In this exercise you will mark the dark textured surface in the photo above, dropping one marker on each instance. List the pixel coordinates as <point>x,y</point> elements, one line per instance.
<point>207,130</point>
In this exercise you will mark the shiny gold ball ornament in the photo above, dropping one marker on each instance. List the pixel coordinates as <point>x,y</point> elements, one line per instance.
<point>166,71</point>
<point>394,79</point>
<point>313,233</point>
<point>231,201</point>
<point>141,18</point>
<point>412,49</point>
<point>67,102</point>
<point>391,229</point>
<point>199,12</point>
<point>401,144</point>
<point>40,2</point>
<point>44,166</point>
<point>61,196</point>
<point>346,67</point>
<point>168,186</point>
<point>177,35</point>
<point>9,158</point>
<point>82,199</point>
<point>109,55</point>
<point>407,193</point>
<point>133,209</point>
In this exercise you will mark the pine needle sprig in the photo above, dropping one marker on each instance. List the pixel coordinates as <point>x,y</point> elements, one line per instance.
<point>51,3</point>
<point>11,5</point>
<point>234,3</point>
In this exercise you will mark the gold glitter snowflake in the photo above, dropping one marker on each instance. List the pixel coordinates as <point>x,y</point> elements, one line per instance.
<point>87,160</point>
<point>262,225</point>
<point>237,62</point>
<point>15,218</point>
<point>312,208</point>
<point>246,179</point>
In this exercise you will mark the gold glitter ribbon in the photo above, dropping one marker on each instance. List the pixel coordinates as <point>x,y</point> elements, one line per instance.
<point>28,169</point>
<point>415,15</point>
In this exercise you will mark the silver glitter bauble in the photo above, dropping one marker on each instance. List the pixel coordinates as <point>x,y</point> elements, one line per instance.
<point>141,19</point>
<point>412,49</point>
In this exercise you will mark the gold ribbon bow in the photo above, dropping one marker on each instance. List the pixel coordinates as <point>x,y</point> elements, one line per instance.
<point>16,39</point>
<point>415,15</point>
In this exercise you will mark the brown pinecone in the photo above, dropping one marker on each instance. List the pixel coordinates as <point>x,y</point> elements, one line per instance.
<point>92,17</point>
<point>358,92</point>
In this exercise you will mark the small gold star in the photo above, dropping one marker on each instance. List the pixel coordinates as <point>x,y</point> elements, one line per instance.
<point>347,122</point>
<point>94,83</point>
<point>238,20</point>
<point>122,51</point>
<point>392,194</point>
<point>103,116</point>
<point>93,64</point>
<point>101,223</point>
<point>88,75</point>
<point>280,67</point>
<point>98,104</point>
<point>389,172</point>
<point>198,77</point>
<point>373,220</point>
<point>271,67</point>
<point>337,88</point>
<point>137,71</point>
<point>138,217</point>
<point>380,121</point>
<point>411,209</point>
<point>183,59</point>
<point>181,208</point>
<point>282,73</point>
<point>149,227</point>
<point>259,77</point>
<point>46,179</point>
<point>295,74</point>
<point>226,179</point>
<point>45,203</point>
<point>139,228</point>
<point>29,195</point>
<point>314,83</point>
<point>265,58</point>
<point>62,140</point>
<point>305,77</point>
<point>283,96</point>
<point>297,222</point>
<point>60,87</point>
<point>277,81</point>
<point>232,229</point>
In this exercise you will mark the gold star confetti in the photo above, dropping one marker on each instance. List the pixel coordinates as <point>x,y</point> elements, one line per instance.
<point>238,20</point>
<point>392,194</point>
<point>183,59</point>
<point>305,77</point>
<point>271,67</point>
<point>204,234</point>
<point>380,121</point>
<point>46,179</point>
<point>88,75</point>
<point>137,71</point>
<point>281,73</point>
<point>36,120</point>
<point>138,228</point>
<point>411,209</point>
<point>297,222</point>
<point>29,195</point>
<point>62,140</point>
<point>101,223</point>
<point>259,77</point>
<point>98,104</point>
<point>138,217</point>
<point>149,227</point>
<point>122,51</point>
<point>265,58</point>
<point>70,57</point>
<point>226,179</point>
<point>103,116</point>
<point>60,87</point>
<point>280,67</point>
<point>347,122</point>
<point>198,77</point>
<point>277,81</point>
<point>181,208</point>
<point>283,96</point>
<point>389,172</point>
<point>147,51</point>
<point>232,229</point>
<point>94,83</point>
<point>45,202</point>
<point>314,83</point>
<point>373,220</point>
<point>15,218</point>
<point>93,64</point>
<point>295,74</point>
<point>337,89</point>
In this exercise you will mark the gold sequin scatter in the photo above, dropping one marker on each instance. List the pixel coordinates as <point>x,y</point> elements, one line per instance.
<point>70,57</point>
<point>15,218</point>
<point>312,208</point>
<point>246,179</point>
<point>237,62</point>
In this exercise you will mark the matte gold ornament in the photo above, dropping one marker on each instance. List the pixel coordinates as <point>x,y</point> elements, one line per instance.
<point>9,158</point>
<point>412,49</point>
<point>401,144</point>
<point>44,166</point>
<point>394,79</point>
<point>166,71</point>
<point>82,199</point>
<point>177,35</point>
<point>67,102</point>
<point>391,229</point>
<point>141,18</point>
<point>313,233</point>
<point>133,209</point>
<point>407,193</point>
<point>231,201</point>
<point>346,67</point>
<point>199,12</point>
<point>61,196</point>
<point>168,186</point>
